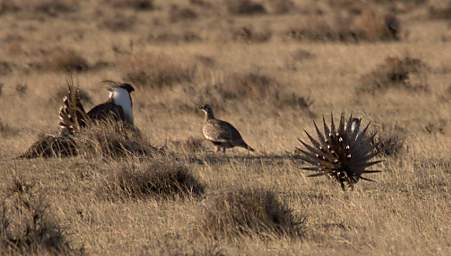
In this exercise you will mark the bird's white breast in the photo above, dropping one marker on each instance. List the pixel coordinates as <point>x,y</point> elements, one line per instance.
<point>122,98</point>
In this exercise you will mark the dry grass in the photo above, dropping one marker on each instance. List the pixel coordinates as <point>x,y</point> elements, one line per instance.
<point>250,212</point>
<point>26,224</point>
<point>268,68</point>
<point>395,73</point>
<point>158,180</point>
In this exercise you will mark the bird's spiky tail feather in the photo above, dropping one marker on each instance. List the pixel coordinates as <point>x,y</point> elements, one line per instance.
<point>72,115</point>
<point>247,147</point>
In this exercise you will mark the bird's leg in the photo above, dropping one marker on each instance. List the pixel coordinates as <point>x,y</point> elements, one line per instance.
<point>223,150</point>
<point>218,148</point>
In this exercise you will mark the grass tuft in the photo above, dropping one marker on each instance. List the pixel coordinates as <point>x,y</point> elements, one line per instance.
<point>26,224</point>
<point>158,180</point>
<point>250,212</point>
<point>397,73</point>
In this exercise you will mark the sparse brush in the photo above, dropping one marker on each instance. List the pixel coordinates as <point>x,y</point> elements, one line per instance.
<point>158,179</point>
<point>390,140</point>
<point>119,22</point>
<point>177,14</point>
<point>394,73</point>
<point>26,225</point>
<point>63,60</point>
<point>106,139</point>
<point>137,5</point>
<point>51,146</point>
<point>111,139</point>
<point>353,25</point>
<point>244,7</point>
<point>280,6</point>
<point>6,130</point>
<point>166,71</point>
<point>54,8</point>
<point>249,34</point>
<point>343,153</point>
<point>251,212</point>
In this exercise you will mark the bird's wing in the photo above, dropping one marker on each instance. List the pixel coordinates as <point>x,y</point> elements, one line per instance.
<point>106,111</point>
<point>221,131</point>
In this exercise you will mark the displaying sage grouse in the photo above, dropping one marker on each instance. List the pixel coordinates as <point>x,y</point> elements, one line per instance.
<point>221,133</point>
<point>119,107</point>
<point>343,153</point>
<point>73,117</point>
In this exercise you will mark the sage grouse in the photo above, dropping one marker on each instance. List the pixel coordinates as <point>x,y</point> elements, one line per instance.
<point>342,153</point>
<point>119,107</point>
<point>73,117</point>
<point>222,134</point>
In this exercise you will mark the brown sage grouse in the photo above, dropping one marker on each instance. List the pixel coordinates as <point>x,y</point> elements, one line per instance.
<point>342,153</point>
<point>222,134</point>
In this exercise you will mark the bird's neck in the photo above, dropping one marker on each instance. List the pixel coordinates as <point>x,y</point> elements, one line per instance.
<point>122,98</point>
<point>209,115</point>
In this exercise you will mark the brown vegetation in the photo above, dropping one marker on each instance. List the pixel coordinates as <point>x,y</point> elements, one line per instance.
<point>158,179</point>
<point>268,67</point>
<point>251,212</point>
<point>27,225</point>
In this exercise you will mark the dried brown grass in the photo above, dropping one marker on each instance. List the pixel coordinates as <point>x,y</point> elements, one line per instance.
<point>161,180</point>
<point>251,212</point>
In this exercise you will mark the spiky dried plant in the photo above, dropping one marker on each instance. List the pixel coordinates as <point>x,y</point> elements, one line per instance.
<point>343,153</point>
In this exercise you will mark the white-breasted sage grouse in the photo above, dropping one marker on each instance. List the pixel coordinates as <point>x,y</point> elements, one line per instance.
<point>118,107</point>
<point>73,117</point>
<point>343,153</point>
<point>221,133</point>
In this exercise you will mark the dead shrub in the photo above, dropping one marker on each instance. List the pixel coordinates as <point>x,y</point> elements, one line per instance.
<point>251,86</point>
<point>159,180</point>
<point>436,127</point>
<point>244,7</point>
<point>250,35</point>
<point>63,60</point>
<point>363,24</point>
<point>177,14</point>
<point>373,26</point>
<point>395,73</point>
<point>174,37</point>
<point>112,140</point>
<point>389,140</point>
<point>54,8</point>
<point>279,6</point>
<point>441,12</point>
<point>250,212</point>
<point>48,146</point>
<point>119,23</point>
<point>8,7</point>
<point>165,71</point>
<point>21,89</point>
<point>137,5</point>
<point>6,130</point>
<point>27,226</point>
<point>109,139</point>
<point>6,68</point>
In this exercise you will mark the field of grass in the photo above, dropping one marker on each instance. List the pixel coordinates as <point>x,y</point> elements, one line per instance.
<point>269,67</point>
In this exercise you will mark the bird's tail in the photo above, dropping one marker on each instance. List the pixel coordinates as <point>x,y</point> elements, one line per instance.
<point>72,115</point>
<point>248,147</point>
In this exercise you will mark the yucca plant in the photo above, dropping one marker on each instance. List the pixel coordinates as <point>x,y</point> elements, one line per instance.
<point>343,153</point>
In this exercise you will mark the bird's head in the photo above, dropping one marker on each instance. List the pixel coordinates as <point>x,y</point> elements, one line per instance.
<point>207,110</point>
<point>115,85</point>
